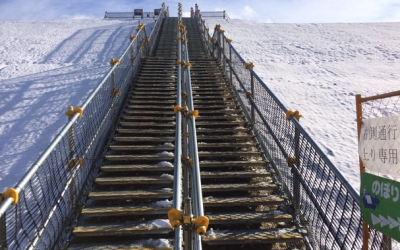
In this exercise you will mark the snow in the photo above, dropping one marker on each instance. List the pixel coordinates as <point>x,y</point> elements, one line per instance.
<point>165,153</point>
<point>164,164</point>
<point>164,203</point>
<point>168,176</point>
<point>44,68</point>
<point>314,68</point>
<point>318,69</point>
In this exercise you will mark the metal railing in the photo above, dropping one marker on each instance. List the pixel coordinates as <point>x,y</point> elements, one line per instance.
<point>326,207</point>
<point>190,174</point>
<point>132,15</point>
<point>51,193</point>
<point>209,14</point>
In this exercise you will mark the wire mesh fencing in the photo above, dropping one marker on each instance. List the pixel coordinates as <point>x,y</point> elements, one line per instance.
<point>51,193</point>
<point>386,159</point>
<point>324,203</point>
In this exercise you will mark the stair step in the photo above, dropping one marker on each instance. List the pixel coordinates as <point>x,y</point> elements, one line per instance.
<point>124,211</point>
<point>242,201</point>
<point>163,125</point>
<point>281,235</point>
<point>248,217</point>
<point>127,228</point>
<point>238,187</point>
<point>141,139</point>
<point>142,147</point>
<point>134,168</point>
<point>230,154</point>
<point>134,194</point>
<point>145,131</point>
<point>236,174</point>
<point>139,157</point>
<point>231,163</point>
<point>130,245</point>
<point>133,180</point>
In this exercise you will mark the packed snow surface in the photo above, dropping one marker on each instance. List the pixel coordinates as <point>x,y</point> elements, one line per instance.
<point>318,69</point>
<point>314,68</point>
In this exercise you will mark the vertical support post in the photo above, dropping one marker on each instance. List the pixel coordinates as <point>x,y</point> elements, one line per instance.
<point>253,119</point>
<point>296,181</point>
<point>223,53</point>
<point>187,234</point>
<point>3,232</point>
<point>362,168</point>
<point>230,63</point>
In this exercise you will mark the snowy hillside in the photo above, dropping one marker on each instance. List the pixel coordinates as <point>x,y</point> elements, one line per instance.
<point>318,69</point>
<point>315,68</point>
<point>44,67</point>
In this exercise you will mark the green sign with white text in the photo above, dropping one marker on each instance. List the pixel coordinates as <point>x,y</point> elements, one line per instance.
<point>380,204</point>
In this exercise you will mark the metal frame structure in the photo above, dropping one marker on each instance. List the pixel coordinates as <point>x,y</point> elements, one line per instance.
<point>50,193</point>
<point>325,204</point>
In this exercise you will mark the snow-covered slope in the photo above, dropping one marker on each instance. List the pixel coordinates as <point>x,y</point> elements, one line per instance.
<point>315,68</point>
<point>318,69</point>
<point>44,67</point>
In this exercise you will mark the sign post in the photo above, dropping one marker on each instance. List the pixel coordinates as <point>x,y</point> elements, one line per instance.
<point>379,150</point>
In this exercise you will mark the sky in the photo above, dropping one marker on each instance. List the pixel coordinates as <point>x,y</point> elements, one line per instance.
<point>261,11</point>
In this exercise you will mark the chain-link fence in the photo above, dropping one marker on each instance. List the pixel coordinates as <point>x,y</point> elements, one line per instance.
<point>386,107</point>
<point>324,203</point>
<point>50,194</point>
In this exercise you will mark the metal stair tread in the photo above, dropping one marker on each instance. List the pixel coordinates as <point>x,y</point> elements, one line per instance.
<point>140,157</point>
<point>139,245</point>
<point>140,138</point>
<point>133,194</point>
<point>123,210</point>
<point>241,201</point>
<point>273,216</point>
<point>148,124</point>
<point>133,180</point>
<point>254,236</point>
<point>235,174</point>
<point>127,228</point>
<point>229,153</point>
<point>142,147</point>
<point>231,163</point>
<point>129,168</point>
<point>145,131</point>
<point>238,187</point>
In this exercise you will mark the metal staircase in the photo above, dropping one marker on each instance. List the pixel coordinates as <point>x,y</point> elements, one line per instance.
<point>241,200</point>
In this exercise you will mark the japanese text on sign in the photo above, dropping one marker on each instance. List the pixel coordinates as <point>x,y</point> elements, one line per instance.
<point>379,146</point>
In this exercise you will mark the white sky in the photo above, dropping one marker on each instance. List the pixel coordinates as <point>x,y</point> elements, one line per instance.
<point>277,11</point>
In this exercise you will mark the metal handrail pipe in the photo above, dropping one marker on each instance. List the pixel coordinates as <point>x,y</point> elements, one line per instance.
<point>177,195</point>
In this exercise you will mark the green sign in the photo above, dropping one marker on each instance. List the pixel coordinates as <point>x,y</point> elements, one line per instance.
<point>380,204</point>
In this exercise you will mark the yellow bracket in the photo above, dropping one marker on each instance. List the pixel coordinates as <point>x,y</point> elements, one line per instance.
<point>148,38</point>
<point>116,92</point>
<point>152,27</point>
<point>188,65</point>
<point>228,40</point>
<point>190,161</point>
<point>131,37</point>
<point>207,29</point>
<point>10,193</point>
<point>201,225</point>
<point>133,58</point>
<point>175,217</point>
<point>291,160</point>
<point>195,113</point>
<point>140,27</point>
<point>222,31</point>
<point>74,162</point>
<point>291,113</point>
<point>177,108</point>
<point>211,38</point>
<point>115,61</point>
<point>249,64</point>
<point>71,112</point>
<point>178,38</point>
<point>217,26</point>
<point>185,40</point>
<point>178,62</point>
<point>249,94</point>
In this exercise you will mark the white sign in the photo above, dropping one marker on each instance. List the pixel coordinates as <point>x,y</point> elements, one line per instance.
<point>379,146</point>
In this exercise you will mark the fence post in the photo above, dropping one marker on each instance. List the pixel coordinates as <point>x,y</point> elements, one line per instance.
<point>296,181</point>
<point>253,119</point>
<point>223,54</point>
<point>3,234</point>
<point>365,229</point>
